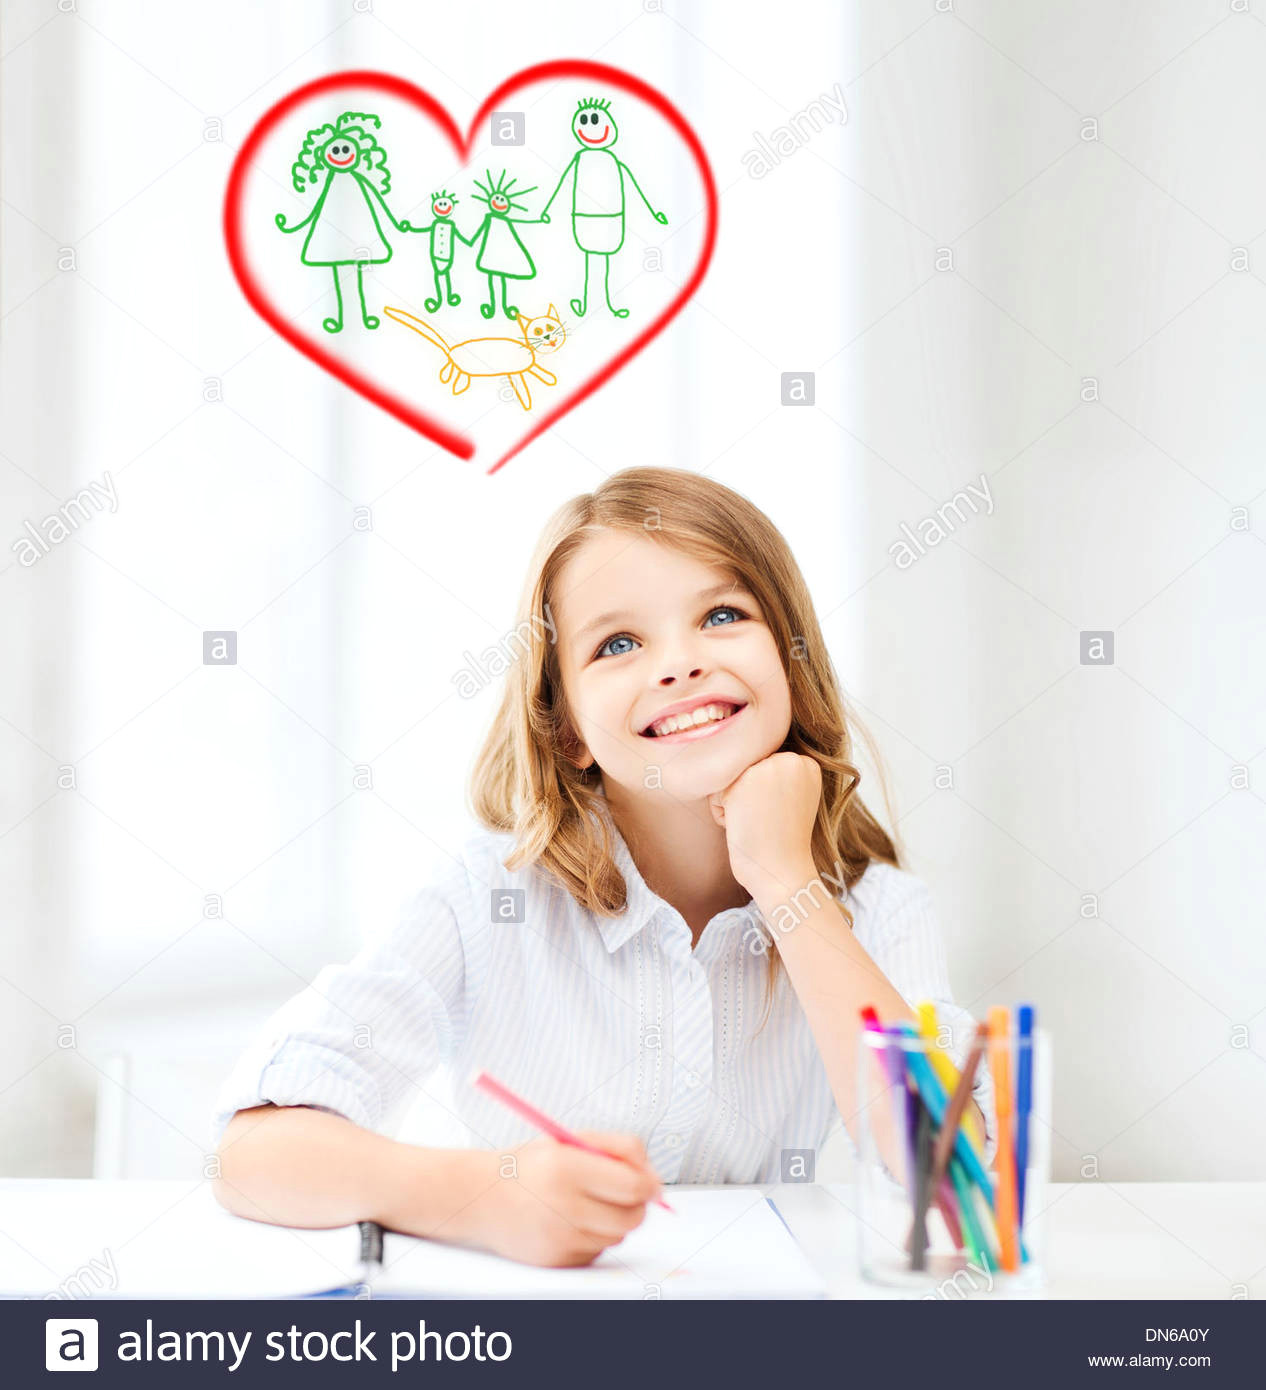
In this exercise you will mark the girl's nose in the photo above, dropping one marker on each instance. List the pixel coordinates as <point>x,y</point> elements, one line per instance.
<point>668,680</point>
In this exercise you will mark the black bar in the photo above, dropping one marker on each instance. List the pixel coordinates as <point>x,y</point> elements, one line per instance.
<point>646,1345</point>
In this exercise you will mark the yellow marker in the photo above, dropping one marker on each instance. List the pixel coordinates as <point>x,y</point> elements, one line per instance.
<point>946,1071</point>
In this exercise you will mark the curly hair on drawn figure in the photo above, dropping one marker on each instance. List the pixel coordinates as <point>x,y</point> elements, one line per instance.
<point>352,126</point>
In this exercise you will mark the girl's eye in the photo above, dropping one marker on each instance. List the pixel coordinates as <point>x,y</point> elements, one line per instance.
<point>624,637</point>
<point>621,637</point>
<point>728,609</point>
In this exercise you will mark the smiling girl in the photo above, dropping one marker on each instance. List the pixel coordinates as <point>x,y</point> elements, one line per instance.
<point>662,937</point>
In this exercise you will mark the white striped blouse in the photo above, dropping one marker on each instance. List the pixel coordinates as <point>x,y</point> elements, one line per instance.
<point>603,1023</point>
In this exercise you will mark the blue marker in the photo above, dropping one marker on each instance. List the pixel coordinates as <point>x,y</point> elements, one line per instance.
<point>1023,1100</point>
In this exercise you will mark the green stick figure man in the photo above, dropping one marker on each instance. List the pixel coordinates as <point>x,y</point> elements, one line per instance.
<point>502,255</point>
<point>597,200</point>
<point>443,229</point>
<point>350,213</point>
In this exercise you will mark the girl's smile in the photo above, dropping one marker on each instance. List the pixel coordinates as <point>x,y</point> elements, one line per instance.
<point>701,719</point>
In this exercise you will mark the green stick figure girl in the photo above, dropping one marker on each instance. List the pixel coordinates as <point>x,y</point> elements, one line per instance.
<point>443,229</point>
<point>597,199</point>
<point>502,256</point>
<point>350,213</point>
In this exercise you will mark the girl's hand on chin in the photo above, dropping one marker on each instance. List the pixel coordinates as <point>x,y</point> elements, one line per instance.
<point>768,813</point>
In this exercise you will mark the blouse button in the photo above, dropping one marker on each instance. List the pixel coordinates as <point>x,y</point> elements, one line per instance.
<point>673,1141</point>
<point>692,1078</point>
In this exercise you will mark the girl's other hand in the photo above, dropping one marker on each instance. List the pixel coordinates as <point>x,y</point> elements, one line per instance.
<point>768,813</point>
<point>565,1206</point>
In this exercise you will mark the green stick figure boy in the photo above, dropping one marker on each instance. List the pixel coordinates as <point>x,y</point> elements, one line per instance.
<point>502,255</point>
<point>597,200</point>
<point>443,229</point>
<point>349,216</point>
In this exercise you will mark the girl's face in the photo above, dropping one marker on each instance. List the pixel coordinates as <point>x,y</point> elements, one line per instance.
<point>643,629</point>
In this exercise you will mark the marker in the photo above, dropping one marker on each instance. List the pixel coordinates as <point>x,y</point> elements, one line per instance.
<point>958,1100</point>
<point>983,1211</point>
<point>942,1064</point>
<point>923,1163</point>
<point>543,1122</point>
<point>945,1197</point>
<point>906,1107</point>
<point>370,1251</point>
<point>895,1066</point>
<point>934,1098</point>
<point>1000,1066</point>
<point>1023,1100</point>
<point>941,1158</point>
<point>977,1247</point>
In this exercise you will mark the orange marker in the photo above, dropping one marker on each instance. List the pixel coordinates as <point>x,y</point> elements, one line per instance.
<point>1005,1199</point>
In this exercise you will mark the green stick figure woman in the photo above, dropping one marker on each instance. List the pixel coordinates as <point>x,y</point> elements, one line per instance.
<point>502,255</point>
<point>597,200</point>
<point>350,213</point>
<point>443,229</point>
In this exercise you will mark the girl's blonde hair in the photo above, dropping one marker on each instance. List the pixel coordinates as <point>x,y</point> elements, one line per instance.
<point>522,780</point>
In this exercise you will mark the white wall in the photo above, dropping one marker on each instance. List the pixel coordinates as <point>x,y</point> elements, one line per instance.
<point>1072,258</point>
<point>1132,793</point>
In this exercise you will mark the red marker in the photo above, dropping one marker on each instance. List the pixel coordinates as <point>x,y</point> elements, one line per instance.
<point>543,1122</point>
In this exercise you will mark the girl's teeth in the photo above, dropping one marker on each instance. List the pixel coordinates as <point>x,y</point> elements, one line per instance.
<point>703,715</point>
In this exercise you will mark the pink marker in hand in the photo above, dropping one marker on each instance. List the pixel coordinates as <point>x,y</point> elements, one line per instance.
<point>543,1122</point>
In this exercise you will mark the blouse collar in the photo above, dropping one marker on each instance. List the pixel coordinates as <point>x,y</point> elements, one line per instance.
<point>642,902</point>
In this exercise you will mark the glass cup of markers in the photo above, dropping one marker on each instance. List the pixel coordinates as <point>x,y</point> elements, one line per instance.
<point>933,1217</point>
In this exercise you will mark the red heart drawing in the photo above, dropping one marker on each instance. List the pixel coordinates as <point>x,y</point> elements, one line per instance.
<point>406,91</point>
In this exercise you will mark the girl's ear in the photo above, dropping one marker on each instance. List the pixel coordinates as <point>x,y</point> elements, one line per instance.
<point>576,753</point>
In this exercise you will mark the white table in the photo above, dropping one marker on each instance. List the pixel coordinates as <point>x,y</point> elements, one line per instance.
<point>1104,1240</point>
<point>79,1237</point>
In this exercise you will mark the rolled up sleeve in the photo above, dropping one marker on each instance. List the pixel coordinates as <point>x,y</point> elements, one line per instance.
<point>903,936</point>
<point>365,1034</point>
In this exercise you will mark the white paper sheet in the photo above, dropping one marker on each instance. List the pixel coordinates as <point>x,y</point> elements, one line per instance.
<point>715,1244</point>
